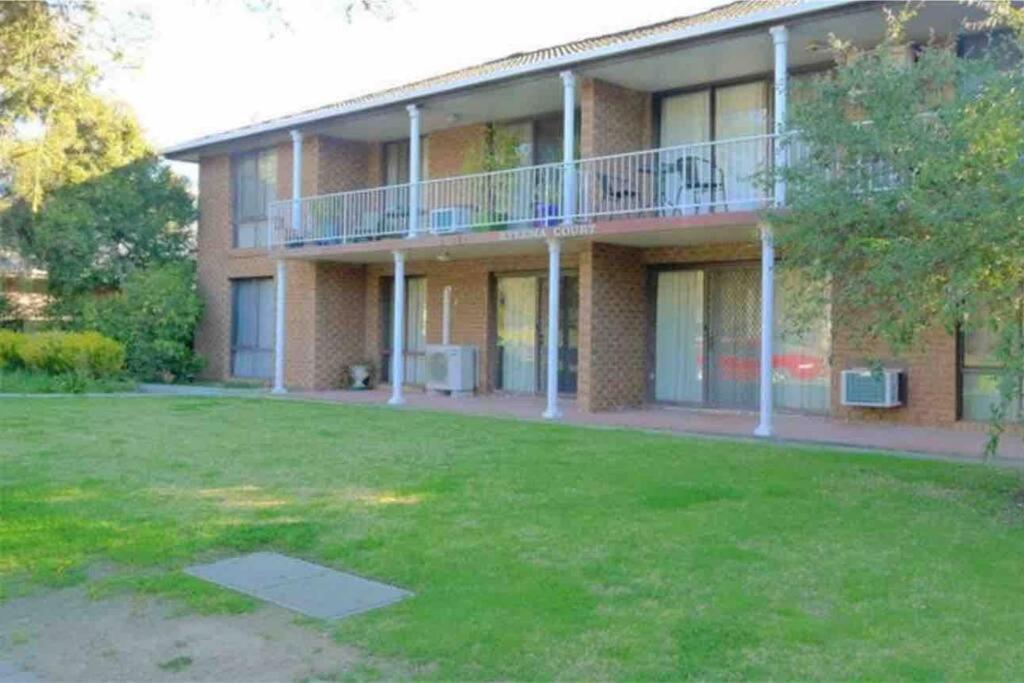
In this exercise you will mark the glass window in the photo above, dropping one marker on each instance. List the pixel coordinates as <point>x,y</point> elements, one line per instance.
<point>252,333</point>
<point>999,45</point>
<point>255,186</point>
<point>396,161</point>
<point>547,139</point>
<point>980,375</point>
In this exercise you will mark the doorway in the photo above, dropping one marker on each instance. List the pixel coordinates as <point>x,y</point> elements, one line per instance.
<point>707,341</point>
<point>521,326</point>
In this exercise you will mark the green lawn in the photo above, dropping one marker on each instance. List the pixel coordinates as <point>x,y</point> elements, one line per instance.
<point>535,551</point>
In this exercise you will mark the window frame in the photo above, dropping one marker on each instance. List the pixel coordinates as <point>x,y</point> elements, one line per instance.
<point>963,370</point>
<point>257,157</point>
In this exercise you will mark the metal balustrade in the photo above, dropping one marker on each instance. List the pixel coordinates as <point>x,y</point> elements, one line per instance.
<point>684,180</point>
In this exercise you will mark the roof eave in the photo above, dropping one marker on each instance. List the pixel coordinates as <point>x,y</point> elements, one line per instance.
<point>186,151</point>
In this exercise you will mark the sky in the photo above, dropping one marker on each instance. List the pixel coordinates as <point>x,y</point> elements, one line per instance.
<point>211,65</point>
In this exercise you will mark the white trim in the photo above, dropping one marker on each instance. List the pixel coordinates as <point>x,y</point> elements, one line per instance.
<point>639,44</point>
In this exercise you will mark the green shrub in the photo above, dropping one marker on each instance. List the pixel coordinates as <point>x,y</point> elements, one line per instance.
<point>155,316</point>
<point>57,353</point>
<point>10,349</point>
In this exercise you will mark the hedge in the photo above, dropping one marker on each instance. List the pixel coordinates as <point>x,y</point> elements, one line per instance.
<point>57,353</point>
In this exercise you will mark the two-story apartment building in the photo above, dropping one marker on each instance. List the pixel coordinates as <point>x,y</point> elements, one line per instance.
<point>585,216</point>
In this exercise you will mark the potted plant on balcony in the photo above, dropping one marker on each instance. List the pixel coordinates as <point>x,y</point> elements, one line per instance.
<point>499,150</point>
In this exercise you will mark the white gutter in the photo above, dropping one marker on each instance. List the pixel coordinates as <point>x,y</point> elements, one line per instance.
<point>777,15</point>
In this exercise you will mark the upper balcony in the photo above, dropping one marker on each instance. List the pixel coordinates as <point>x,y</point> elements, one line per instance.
<point>683,180</point>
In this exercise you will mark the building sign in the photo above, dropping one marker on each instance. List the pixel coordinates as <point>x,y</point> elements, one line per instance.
<point>560,231</point>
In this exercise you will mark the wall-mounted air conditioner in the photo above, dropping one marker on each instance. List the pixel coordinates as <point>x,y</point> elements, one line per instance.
<point>869,388</point>
<point>451,219</point>
<point>451,368</point>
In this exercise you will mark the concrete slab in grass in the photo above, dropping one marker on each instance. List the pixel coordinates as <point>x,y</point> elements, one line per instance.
<point>294,584</point>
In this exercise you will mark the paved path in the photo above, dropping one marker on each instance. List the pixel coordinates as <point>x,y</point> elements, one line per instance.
<point>966,442</point>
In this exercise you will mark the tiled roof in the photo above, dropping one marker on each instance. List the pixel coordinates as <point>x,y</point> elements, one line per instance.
<point>495,68</point>
<point>733,10</point>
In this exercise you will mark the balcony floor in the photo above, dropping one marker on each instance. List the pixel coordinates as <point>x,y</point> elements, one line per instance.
<point>963,443</point>
<point>705,228</point>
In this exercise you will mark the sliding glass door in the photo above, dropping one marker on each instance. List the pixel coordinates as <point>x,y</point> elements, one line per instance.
<point>679,337</point>
<point>741,111</point>
<point>521,319</point>
<point>734,337</point>
<point>703,176</point>
<point>707,341</point>
<point>684,171</point>
<point>517,333</point>
<point>415,329</point>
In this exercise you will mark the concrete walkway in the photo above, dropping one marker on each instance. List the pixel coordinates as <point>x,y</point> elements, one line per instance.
<point>967,441</point>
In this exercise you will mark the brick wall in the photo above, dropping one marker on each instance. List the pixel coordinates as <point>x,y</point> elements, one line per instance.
<point>325,302</point>
<point>613,324</point>
<point>931,375</point>
<point>342,165</point>
<point>340,321</point>
<point>472,313</point>
<point>448,149</point>
<point>613,119</point>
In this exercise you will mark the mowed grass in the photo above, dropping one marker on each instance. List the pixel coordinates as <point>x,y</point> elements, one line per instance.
<point>536,551</point>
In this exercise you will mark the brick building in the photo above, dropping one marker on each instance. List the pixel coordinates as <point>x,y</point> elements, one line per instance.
<point>599,194</point>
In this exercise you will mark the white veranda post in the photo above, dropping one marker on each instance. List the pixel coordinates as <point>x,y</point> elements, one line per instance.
<point>279,312</point>
<point>398,331</point>
<point>414,169</point>
<point>554,284</point>
<point>780,37</point>
<point>568,146</point>
<point>281,274</point>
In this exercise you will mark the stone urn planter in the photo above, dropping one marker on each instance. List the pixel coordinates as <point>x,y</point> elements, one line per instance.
<point>359,376</point>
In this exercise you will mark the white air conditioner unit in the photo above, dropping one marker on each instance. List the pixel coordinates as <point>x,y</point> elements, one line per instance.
<point>451,219</point>
<point>872,388</point>
<point>451,368</point>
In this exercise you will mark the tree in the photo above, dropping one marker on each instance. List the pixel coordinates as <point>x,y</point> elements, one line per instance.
<point>155,316</point>
<point>54,129</point>
<point>906,194</point>
<point>91,235</point>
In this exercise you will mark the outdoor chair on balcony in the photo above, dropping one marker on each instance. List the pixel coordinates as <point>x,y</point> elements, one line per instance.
<point>618,190</point>
<point>695,178</point>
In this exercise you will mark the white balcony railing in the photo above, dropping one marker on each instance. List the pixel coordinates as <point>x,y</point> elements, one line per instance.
<point>674,181</point>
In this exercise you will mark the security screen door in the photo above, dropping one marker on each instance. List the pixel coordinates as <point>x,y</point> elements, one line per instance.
<point>707,342</point>
<point>734,337</point>
<point>707,337</point>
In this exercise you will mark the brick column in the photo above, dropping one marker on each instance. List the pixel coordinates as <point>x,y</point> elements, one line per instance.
<point>613,328</point>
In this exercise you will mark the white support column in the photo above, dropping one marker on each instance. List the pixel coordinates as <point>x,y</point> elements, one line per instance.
<point>398,331</point>
<point>296,183</point>
<point>279,328</point>
<point>446,316</point>
<point>764,426</point>
<point>780,39</point>
<point>414,170</point>
<point>554,285</point>
<point>568,146</point>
